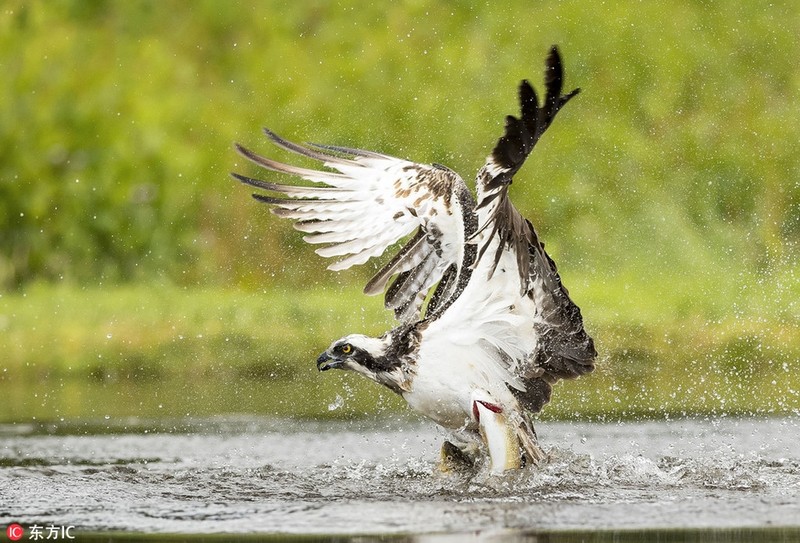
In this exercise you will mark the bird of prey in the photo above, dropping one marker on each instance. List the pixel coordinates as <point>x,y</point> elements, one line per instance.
<point>486,326</point>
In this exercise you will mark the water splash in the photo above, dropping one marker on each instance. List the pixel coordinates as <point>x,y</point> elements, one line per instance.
<point>337,403</point>
<point>372,477</point>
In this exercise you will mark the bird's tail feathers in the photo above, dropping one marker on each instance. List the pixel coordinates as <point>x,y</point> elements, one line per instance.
<point>527,438</point>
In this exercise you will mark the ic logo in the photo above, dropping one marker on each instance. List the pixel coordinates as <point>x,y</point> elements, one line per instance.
<point>15,532</point>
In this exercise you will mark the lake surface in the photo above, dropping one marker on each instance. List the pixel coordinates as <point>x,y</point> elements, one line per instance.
<point>739,478</point>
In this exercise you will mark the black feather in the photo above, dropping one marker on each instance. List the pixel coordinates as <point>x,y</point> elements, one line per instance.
<point>522,134</point>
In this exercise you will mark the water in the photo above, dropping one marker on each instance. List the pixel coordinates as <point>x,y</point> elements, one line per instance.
<point>253,475</point>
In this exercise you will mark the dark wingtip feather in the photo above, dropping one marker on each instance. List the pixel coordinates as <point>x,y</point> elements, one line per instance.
<point>276,139</point>
<point>528,101</point>
<point>254,182</point>
<point>302,150</point>
<point>241,149</point>
<point>522,134</point>
<point>567,97</point>
<point>266,185</point>
<point>263,198</point>
<point>554,71</point>
<point>554,79</point>
<point>248,154</point>
<point>347,151</point>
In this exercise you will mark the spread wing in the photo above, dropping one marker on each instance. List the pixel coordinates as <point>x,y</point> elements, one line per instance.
<point>515,308</point>
<point>365,202</point>
<point>496,212</point>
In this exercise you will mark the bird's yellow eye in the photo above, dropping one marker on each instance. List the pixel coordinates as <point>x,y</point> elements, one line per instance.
<point>347,348</point>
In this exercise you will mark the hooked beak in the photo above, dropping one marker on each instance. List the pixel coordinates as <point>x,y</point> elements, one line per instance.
<point>326,362</point>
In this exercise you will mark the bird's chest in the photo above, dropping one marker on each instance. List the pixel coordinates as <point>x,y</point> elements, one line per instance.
<point>442,391</point>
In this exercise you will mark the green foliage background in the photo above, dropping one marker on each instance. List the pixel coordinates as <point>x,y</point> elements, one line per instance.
<point>667,191</point>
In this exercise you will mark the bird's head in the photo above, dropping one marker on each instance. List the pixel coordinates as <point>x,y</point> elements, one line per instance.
<point>364,354</point>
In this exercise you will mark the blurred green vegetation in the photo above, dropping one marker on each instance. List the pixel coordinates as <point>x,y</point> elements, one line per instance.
<point>668,191</point>
<point>161,351</point>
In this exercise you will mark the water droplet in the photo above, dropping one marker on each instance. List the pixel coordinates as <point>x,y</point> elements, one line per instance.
<point>336,404</point>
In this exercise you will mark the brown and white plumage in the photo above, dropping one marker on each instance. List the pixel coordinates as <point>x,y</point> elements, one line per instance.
<point>487,326</point>
<point>369,203</point>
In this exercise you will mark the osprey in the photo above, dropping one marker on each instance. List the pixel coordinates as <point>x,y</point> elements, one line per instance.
<point>486,326</point>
